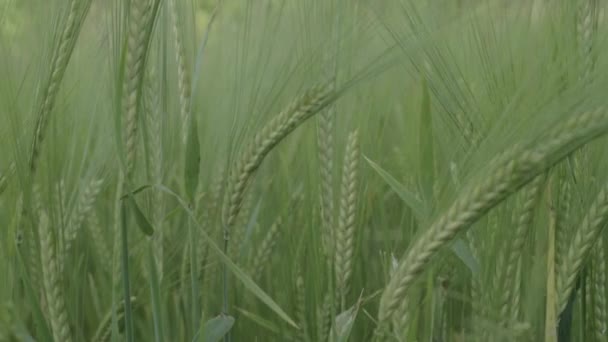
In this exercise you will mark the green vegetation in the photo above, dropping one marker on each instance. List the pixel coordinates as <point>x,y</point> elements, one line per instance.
<point>270,170</point>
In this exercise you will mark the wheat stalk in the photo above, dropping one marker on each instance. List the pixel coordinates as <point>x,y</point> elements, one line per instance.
<point>345,233</point>
<point>210,261</point>
<point>301,309</point>
<point>508,173</point>
<point>116,243</point>
<point>52,284</point>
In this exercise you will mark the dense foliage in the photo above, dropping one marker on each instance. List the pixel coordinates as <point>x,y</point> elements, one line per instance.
<point>270,170</point>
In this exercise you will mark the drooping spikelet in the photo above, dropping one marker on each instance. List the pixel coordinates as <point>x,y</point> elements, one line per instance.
<point>59,62</point>
<point>264,141</point>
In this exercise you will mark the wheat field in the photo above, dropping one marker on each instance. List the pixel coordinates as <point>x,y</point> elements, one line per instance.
<point>308,170</point>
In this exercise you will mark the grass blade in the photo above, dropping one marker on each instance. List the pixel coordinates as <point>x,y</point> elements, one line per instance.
<point>411,199</point>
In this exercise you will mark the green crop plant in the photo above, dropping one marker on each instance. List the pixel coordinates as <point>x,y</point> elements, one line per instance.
<point>275,170</point>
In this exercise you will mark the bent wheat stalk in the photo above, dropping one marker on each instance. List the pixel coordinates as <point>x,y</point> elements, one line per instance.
<point>508,173</point>
<point>59,62</point>
<point>270,136</point>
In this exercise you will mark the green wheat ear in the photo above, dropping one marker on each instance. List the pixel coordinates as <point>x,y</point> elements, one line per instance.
<point>59,62</point>
<point>52,283</point>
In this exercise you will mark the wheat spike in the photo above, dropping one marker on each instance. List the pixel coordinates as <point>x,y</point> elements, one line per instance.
<point>264,141</point>
<point>52,284</point>
<point>585,26</point>
<point>99,241</point>
<point>326,155</point>
<point>241,225</point>
<point>599,288</point>
<point>581,246</point>
<point>325,146</point>
<point>155,160</point>
<point>301,309</point>
<point>531,197</point>
<point>59,62</point>
<point>140,26</point>
<point>83,207</point>
<point>562,228</point>
<point>345,234</point>
<point>324,315</point>
<point>262,257</point>
<point>183,79</point>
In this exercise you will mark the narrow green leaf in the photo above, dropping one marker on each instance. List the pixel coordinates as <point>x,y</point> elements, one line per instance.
<point>464,253</point>
<point>262,322</point>
<point>407,196</point>
<point>236,271</point>
<point>426,150</point>
<point>216,328</point>
<point>193,159</point>
<point>343,324</point>
<point>136,191</point>
<point>142,221</point>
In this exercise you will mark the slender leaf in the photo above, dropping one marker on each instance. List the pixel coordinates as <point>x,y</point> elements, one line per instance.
<point>238,273</point>
<point>343,324</point>
<point>216,328</point>
<point>407,196</point>
<point>142,221</point>
<point>464,253</point>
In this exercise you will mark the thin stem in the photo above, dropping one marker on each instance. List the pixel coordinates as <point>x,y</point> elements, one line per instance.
<point>125,277</point>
